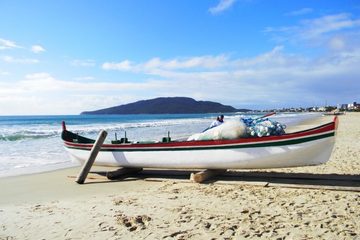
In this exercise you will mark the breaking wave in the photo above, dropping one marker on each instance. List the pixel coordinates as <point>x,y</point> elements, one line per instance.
<point>26,135</point>
<point>19,133</point>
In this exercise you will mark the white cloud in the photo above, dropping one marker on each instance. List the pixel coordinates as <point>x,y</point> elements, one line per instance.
<point>328,24</point>
<point>10,59</point>
<point>310,29</point>
<point>37,49</point>
<point>84,78</point>
<point>42,93</point>
<point>337,43</point>
<point>221,6</point>
<point>299,12</point>
<point>4,73</point>
<point>7,44</point>
<point>194,62</point>
<point>83,63</point>
<point>121,66</point>
<point>335,32</point>
<point>156,64</point>
<point>59,104</point>
<point>45,82</point>
<point>273,58</point>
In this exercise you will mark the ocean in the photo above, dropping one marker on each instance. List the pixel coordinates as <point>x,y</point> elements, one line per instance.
<point>31,144</point>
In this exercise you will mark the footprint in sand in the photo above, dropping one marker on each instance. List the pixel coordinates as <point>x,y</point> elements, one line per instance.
<point>178,235</point>
<point>121,201</point>
<point>139,222</point>
<point>104,226</point>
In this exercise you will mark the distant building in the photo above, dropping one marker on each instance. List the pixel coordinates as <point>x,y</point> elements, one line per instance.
<point>353,106</point>
<point>343,106</point>
<point>356,106</point>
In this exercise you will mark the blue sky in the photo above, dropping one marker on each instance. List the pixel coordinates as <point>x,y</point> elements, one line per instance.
<point>64,57</point>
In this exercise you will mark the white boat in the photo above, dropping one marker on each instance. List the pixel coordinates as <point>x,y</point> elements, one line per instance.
<point>309,147</point>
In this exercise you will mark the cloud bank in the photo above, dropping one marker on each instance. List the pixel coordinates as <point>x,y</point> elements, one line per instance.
<point>275,75</point>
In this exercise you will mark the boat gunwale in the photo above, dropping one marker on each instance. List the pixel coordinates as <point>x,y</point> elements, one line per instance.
<point>322,131</point>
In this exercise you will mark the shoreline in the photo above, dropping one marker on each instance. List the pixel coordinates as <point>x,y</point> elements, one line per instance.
<point>44,169</point>
<point>51,205</point>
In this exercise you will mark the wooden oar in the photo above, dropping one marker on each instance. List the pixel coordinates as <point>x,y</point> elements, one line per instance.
<point>267,115</point>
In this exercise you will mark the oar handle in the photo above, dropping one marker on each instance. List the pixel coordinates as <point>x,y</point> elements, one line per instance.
<point>268,115</point>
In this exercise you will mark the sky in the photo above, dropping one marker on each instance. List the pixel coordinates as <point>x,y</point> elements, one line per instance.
<point>65,57</point>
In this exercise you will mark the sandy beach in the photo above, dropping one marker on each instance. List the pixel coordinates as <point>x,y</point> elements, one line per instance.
<point>52,206</point>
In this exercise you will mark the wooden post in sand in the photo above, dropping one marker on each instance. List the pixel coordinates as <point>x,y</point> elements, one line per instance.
<point>93,153</point>
<point>205,175</point>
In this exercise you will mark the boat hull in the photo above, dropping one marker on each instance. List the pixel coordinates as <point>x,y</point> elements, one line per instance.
<point>305,154</point>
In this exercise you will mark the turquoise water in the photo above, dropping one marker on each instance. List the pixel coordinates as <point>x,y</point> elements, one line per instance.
<point>31,144</point>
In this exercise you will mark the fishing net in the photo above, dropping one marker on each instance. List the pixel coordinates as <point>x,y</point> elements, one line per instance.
<point>246,127</point>
<point>259,127</point>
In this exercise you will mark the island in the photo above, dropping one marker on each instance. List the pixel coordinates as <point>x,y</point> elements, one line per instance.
<point>167,105</point>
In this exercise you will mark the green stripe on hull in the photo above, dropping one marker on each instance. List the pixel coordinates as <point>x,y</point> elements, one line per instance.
<point>254,145</point>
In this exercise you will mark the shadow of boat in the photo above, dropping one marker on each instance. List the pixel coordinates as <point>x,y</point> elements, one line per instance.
<point>345,182</point>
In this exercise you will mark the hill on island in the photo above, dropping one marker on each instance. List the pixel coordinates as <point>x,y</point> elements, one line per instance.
<point>170,105</point>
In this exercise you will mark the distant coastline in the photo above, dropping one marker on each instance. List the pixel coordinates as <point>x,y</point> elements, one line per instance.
<point>186,105</point>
